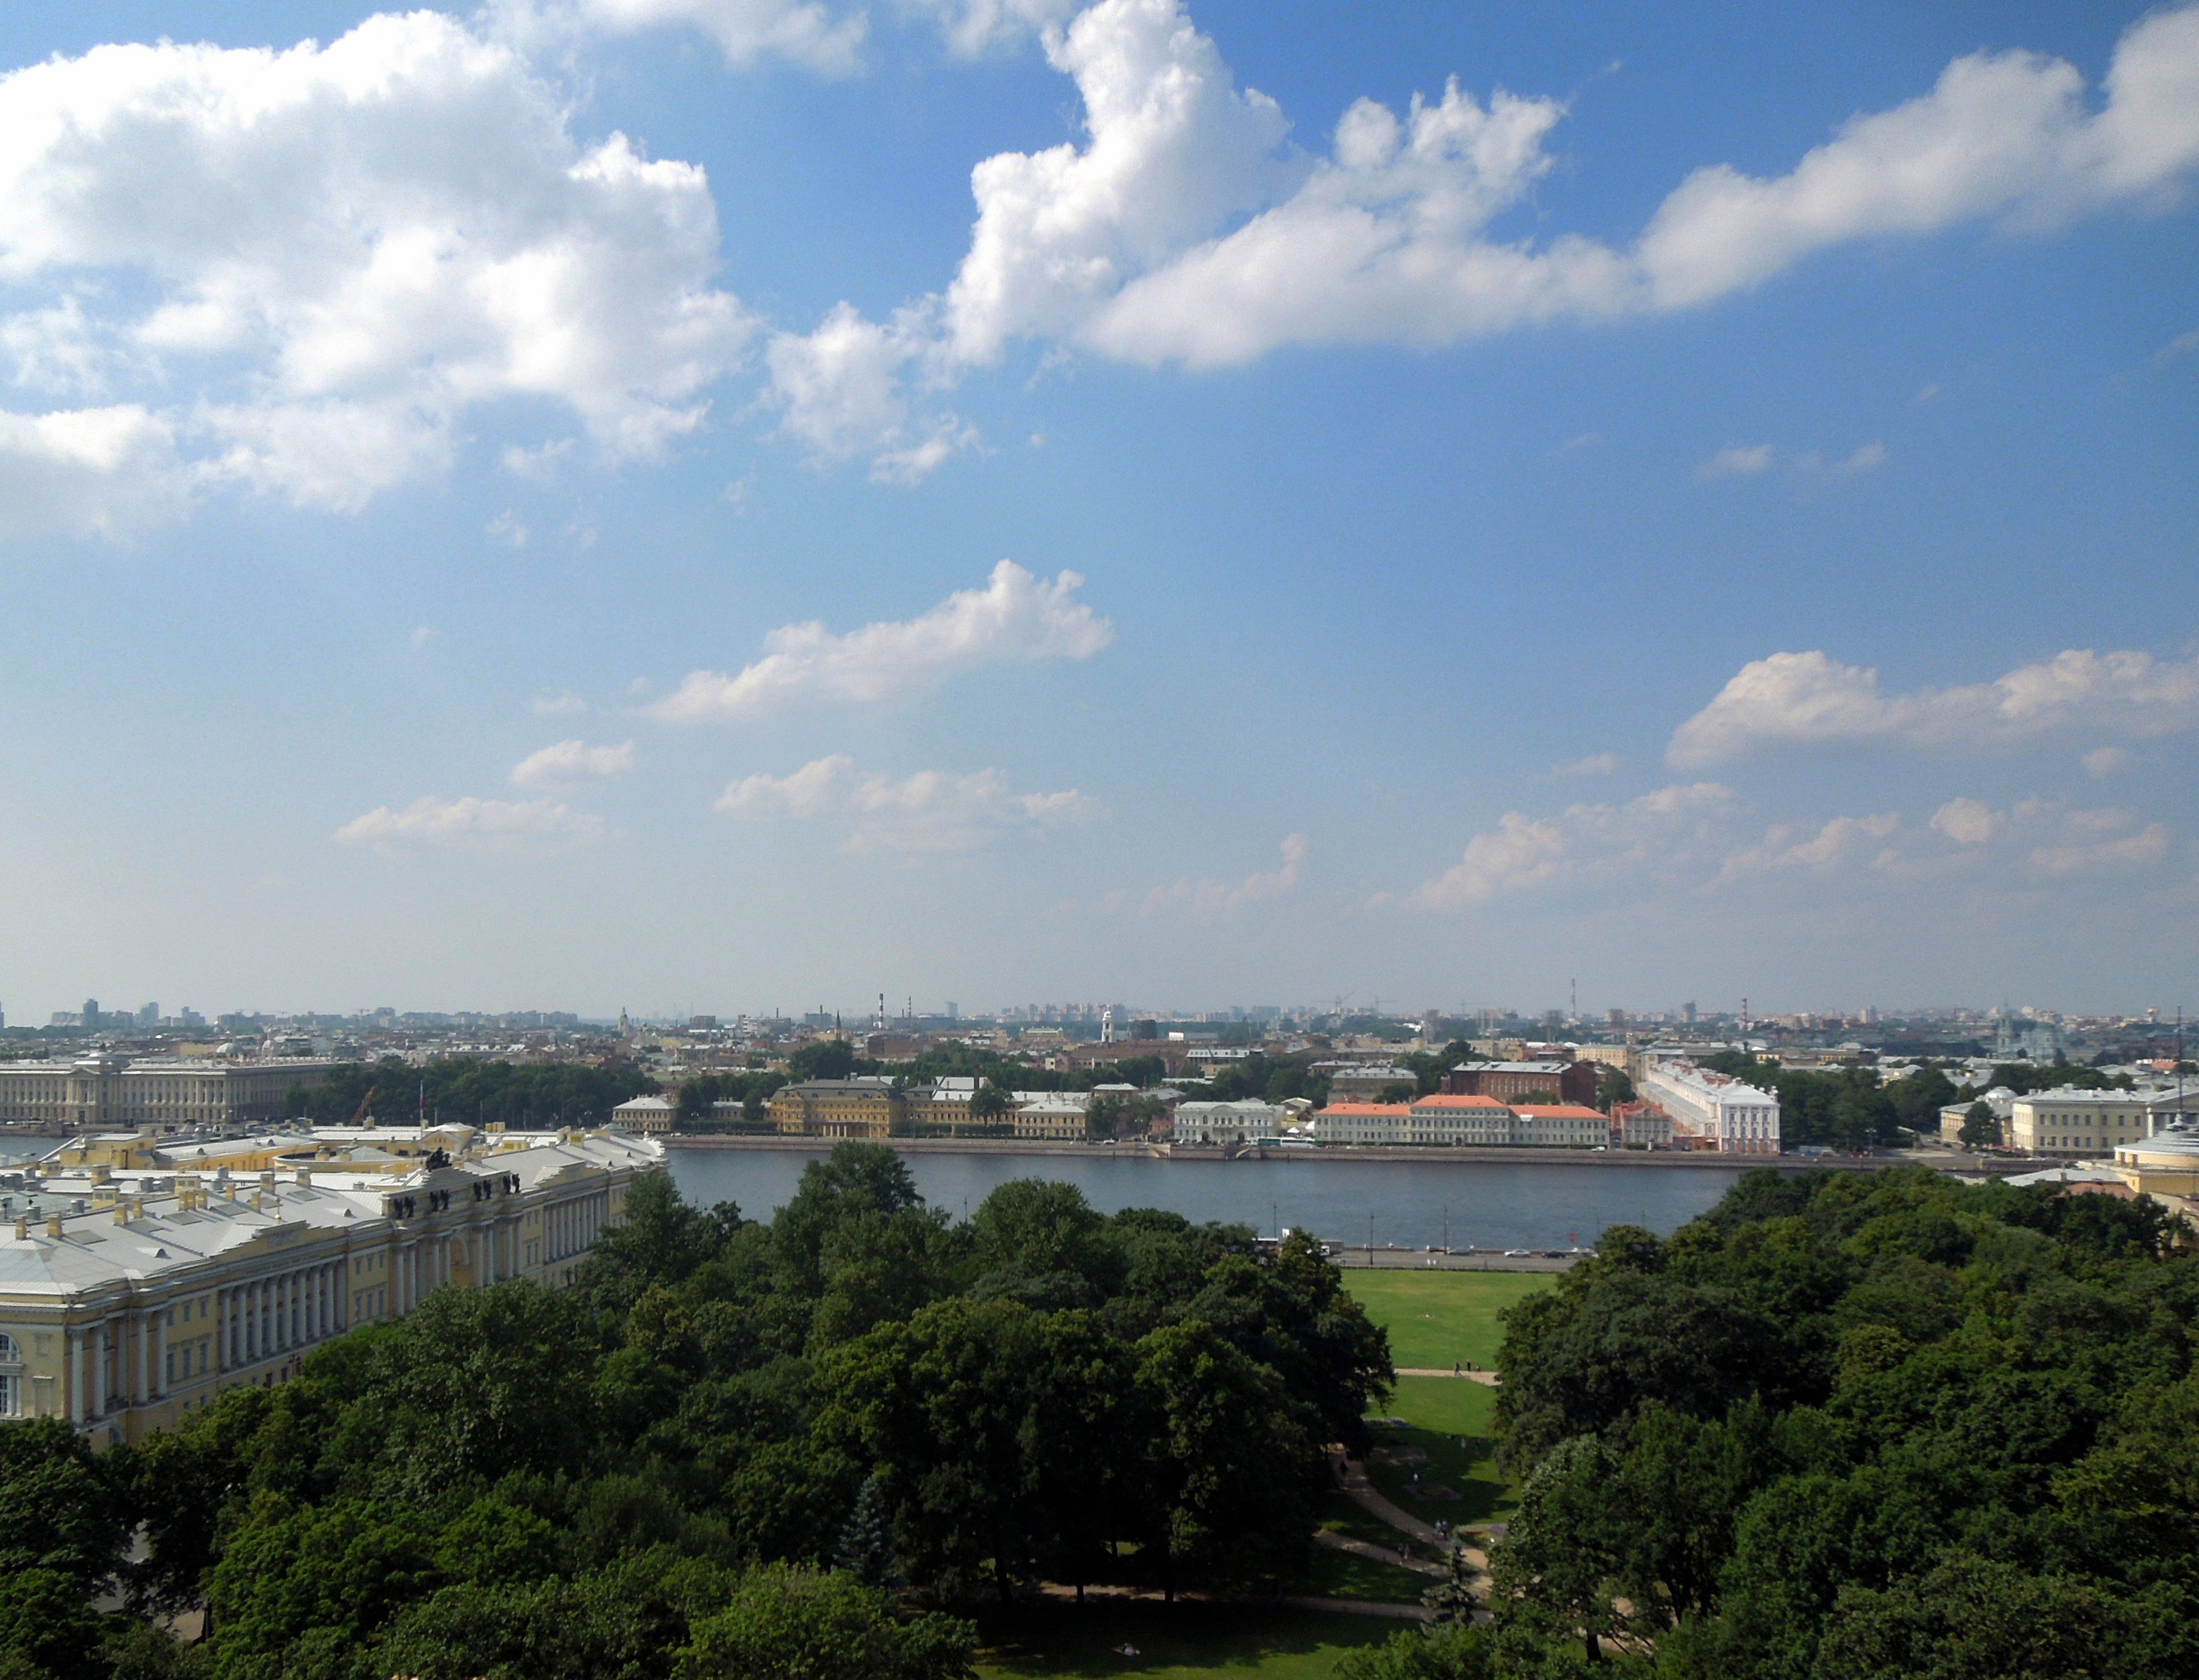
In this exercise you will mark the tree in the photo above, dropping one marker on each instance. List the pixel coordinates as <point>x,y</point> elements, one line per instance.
<point>1613,1086</point>
<point>823,1058</point>
<point>987,1104</point>
<point>1980,1127</point>
<point>799,1625</point>
<point>1556,1571</point>
<point>867,1543</point>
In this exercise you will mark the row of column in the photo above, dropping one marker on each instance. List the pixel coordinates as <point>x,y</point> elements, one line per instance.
<point>572,1226</point>
<point>263,1317</point>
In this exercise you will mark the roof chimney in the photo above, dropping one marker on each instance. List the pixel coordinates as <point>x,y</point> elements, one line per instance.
<point>53,1224</point>
<point>22,1229</point>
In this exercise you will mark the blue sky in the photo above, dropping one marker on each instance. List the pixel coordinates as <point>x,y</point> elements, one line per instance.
<point>1703,508</point>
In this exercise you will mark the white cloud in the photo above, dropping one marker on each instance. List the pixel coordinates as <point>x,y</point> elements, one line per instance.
<point>103,472</point>
<point>572,761</point>
<point>471,825</point>
<point>540,464</point>
<point>564,704</point>
<point>1588,843</point>
<point>1737,461</point>
<point>507,528</point>
<point>801,31</point>
<point>838,389</point>
<point>422,635</point>
<point>1180,227</point>
<point>931,811</point>
<point>1808,699</point>
<point>1785,846</point>
<point>974,27</point>
<point>1206,899</point>
<point>2103,762</point>
<point>1595,764</point>
<point>1016,618</point>
<point>1868,457</point>
<point>1968,822</point>
<point>326,256</point>
<point>2182,345</point>
<point>2054,838</point>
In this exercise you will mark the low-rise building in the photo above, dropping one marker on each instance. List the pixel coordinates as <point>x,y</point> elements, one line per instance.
<point>1363,1081</point>
<point>1641,1125</point>
<point>1560,1126</point>
<point>863,1107</point>
<point>105,1092</point>
<point>1359,1123</point>
<point>1525,1081</point>
<point>651,1117</point>
<point>1059,1116</point>
<point>1448,1119</point>
<point>1711,1111</point>
<point>2078,1123</point>
<point>1228,1122</point>
<point>174,1284</point>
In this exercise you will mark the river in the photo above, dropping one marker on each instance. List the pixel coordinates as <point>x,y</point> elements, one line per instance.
<point>1484,1204</point>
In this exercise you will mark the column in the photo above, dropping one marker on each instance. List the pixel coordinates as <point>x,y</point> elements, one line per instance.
<point>106,1366</point>
<point>77,1343</point>
<point>157,1379</point>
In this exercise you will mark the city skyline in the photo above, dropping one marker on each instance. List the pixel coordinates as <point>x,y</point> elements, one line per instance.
<point>640,503</point>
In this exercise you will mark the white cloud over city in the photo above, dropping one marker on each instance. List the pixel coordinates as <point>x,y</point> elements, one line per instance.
<point>471,823</point>
<point>572,761</point>
<point>301,271</point>
<point>927,811</point>
<point>1184,227</point>
<point>1794,701</point>
<point>1017,618</point>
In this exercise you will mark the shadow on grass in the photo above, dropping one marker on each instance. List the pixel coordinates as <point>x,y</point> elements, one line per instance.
<point>1171,1640</point>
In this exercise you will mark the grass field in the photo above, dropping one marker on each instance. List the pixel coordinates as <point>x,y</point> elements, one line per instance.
<point>1436,1320</point>
<point>1439,1319</point>
<point>1174,1642</point>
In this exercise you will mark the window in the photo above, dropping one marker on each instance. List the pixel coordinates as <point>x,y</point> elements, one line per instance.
<point>11,1378</point>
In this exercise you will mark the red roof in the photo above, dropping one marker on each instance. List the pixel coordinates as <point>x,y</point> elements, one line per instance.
<point>1447,1101</point>
<point>1368,1108</point>
<point>1559,1112</point>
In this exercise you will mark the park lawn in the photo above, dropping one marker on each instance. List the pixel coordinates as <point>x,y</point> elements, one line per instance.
<point>1174,1641</point>
<point>1454,1422</point>
<point>1335,1574</point>
<point>1436,1320</point>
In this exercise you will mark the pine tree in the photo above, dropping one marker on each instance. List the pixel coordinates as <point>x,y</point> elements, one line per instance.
<point>1452,1598</point>
<point>867,1543</point>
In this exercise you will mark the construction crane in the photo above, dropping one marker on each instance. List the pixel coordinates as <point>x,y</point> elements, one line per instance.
<point>365,1103</point>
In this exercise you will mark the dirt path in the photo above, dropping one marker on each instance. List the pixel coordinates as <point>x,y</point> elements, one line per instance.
<point>1486,1379</point>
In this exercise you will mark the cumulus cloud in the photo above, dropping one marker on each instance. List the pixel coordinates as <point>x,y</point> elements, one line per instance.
<point>471,825</point>
<point>2054,838</point>
<point>838,390</point>
<point>2103,762</point>
<point>801,31</point>
<point>1737,461</point>
<point>1181,226</point>
<point>1968,822</point>
<point>104,472</point>
<point>324,257</point>
<point>1811,700</point>
<point>1595,764</point>
<point>1205,900</point>
<point>562,704</point>
<point>572,761</point>
<point>1017,618</point>
<point>1588,843</point>
<point>972,28</point>
<point>931,811</point>
<point>1785,846</point>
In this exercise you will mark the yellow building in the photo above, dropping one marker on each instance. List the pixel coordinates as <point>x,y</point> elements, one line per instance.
<point>104,1090</point>
<point>132,1297</point>
<point>651,1117</point>
<point>2166,1165</point>
<point>1059,1116</point>
<point>838,1108</point>
<point>2077,1122</point>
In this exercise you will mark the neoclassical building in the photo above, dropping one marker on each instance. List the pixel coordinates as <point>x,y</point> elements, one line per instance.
<point>101,1091</point>
<point>131,1296</point>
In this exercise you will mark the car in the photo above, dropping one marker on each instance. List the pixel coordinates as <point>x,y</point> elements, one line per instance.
<point>1518,1254</point>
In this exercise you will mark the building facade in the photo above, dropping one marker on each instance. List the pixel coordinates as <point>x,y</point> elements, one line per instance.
<point>104,1091</point>
<point>1228,1122</point>
<point>1525,1081</point>
<point>650,1117</point>
<point>865,1107</point>
<point>1463,1121</point>
<point>129,1299</point>
<point>2078,1123</point>
<point>1711,1110</point>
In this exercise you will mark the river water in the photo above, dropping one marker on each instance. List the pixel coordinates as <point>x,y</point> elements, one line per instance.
<point>1477,1204</point>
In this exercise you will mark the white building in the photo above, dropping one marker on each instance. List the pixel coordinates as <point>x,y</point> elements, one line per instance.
<point>2078,1123</point>
<point>1456,1122</point>
<point>651,1117</point>
<point>1228,1122</point>
<point>1713,1110</point>
<point>101,1091</point>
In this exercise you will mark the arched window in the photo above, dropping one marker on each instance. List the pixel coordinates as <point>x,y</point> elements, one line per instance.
<point>11,1378</point>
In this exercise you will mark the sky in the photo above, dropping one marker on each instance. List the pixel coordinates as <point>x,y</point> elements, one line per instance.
<point>722,505</point>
